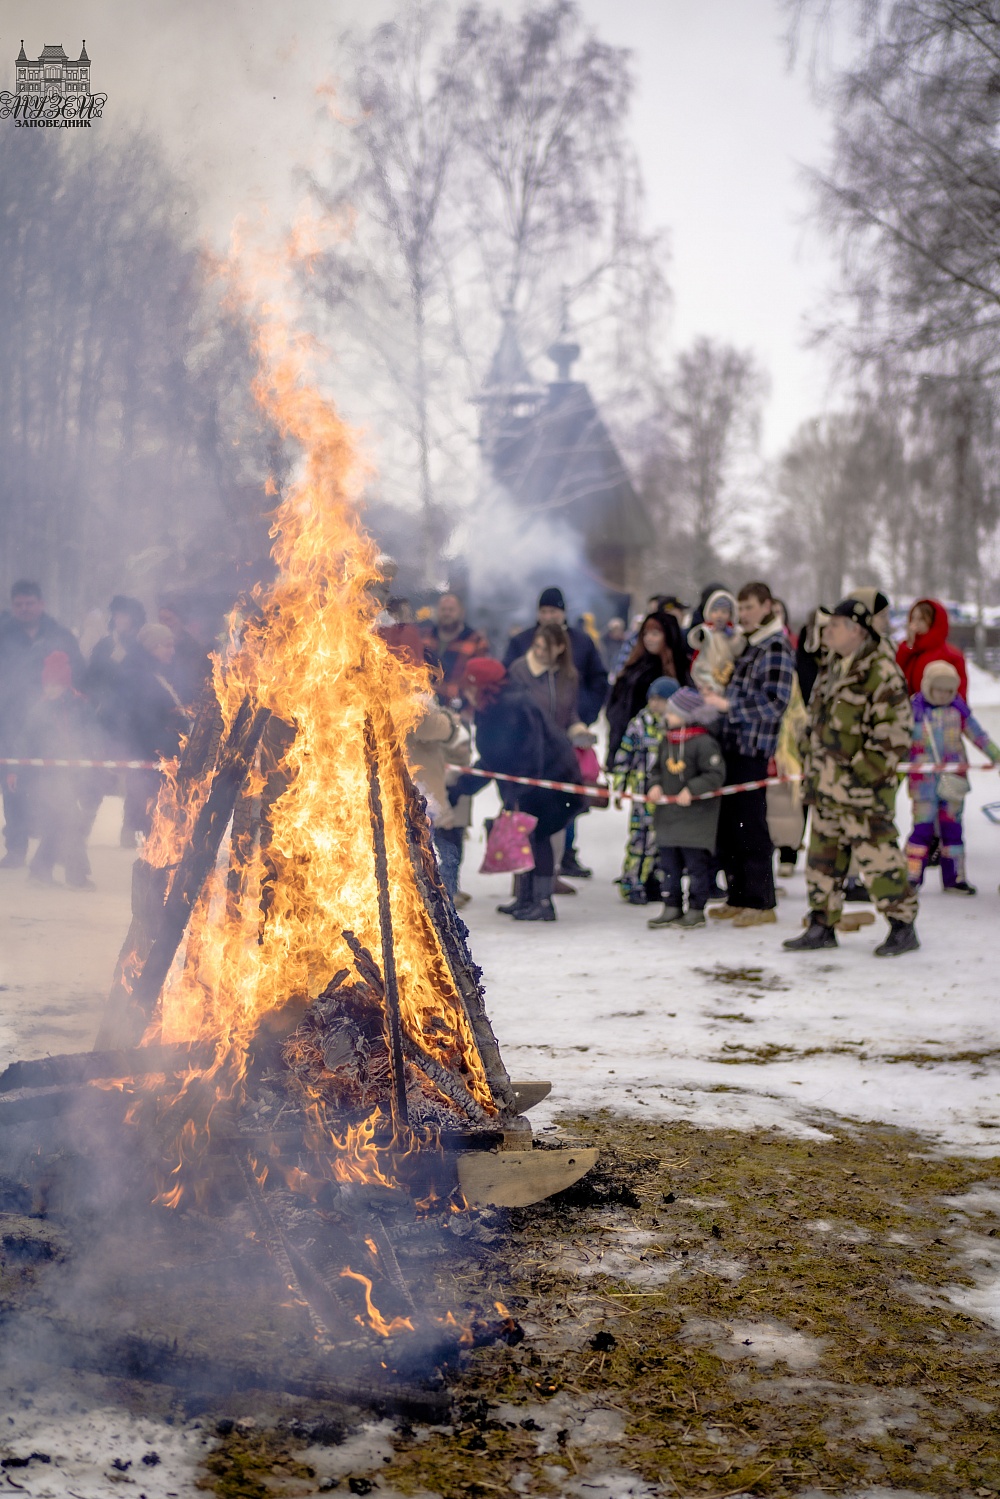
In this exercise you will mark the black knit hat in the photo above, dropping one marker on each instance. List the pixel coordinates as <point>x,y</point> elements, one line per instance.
<point>859,611</point>
<point>552,598</point>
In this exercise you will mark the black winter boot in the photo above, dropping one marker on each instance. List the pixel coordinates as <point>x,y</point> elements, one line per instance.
<point>522,896</point>
<point>540,907</point>
<point>816,935</point>
<point>902,938</point>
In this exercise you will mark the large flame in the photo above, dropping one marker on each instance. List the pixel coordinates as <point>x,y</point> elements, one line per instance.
<point>310,653</point>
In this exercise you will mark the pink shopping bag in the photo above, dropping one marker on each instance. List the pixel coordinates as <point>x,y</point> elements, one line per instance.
<point>508,848</point>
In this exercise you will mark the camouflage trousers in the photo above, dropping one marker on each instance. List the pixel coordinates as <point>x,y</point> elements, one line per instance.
<point>836,833</point>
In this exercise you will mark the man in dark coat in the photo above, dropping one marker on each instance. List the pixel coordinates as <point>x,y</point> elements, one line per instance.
<point>157,717</point>
<point>27,636</point>
<point>190,666</point>
<point>592,689</point>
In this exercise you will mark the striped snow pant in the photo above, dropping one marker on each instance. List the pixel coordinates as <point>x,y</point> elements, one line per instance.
<point>835,833</point>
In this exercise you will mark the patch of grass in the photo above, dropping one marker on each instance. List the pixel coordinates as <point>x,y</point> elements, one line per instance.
<point>253,1465</point>
<point>935,1058</point>
<point>904,1390</point>
<point>744,978</point>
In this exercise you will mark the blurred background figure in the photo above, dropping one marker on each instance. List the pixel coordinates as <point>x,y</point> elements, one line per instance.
<point>454,643</point>
<point>157,715</point>
<point>59,725</point>
<point>27,636</point>
<point>190,667</point>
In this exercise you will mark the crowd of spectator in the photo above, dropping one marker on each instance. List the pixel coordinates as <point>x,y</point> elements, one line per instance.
<point>131,698</point>
<point>726,733</point>
<point>729,735</point>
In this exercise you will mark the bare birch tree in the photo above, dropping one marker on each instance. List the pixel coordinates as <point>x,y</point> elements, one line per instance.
<point>707,438</point>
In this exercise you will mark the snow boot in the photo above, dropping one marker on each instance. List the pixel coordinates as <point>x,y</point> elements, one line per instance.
<point>572,868</point>
<point>960,887</point>
<point>669,916</point>
<point>540,907</point>
<point>854,889</point>
<point>755,916</point>
<point>726,912</point>
<point>692,918</point>
<point>902,938</point>
<point>817,935</point>
<point>522,896</point>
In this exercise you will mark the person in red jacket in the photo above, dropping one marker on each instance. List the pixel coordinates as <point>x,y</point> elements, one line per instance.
<point>926,641</point>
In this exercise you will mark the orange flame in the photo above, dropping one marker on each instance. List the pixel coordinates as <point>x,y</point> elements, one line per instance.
<point>315,660</point>
<point>376,1321</point>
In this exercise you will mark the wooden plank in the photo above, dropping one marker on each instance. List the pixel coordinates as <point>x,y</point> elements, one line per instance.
<point>122,1024</point>
<point>517,1178</point>
<point>527,1095</point>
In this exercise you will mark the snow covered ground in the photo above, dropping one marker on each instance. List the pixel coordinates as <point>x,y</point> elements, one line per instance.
<point>621,1017</point>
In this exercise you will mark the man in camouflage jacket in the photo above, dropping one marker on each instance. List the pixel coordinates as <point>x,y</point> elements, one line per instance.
<point>860,727</point>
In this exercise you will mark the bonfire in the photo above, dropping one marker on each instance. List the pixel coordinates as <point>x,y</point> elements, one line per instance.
<point>296,1047</point>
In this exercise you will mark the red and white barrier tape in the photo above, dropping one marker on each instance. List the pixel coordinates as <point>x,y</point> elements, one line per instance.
<point>952,767</point>
<point>600,793</point>
<point>81,764</point>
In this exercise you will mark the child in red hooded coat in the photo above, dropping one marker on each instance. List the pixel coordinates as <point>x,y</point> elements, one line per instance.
<point>927,640</point>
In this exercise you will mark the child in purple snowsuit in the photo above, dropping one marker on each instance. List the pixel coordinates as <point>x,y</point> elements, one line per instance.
<point>941,721</point>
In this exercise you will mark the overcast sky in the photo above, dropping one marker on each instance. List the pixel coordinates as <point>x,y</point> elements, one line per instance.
<point>720,124</point>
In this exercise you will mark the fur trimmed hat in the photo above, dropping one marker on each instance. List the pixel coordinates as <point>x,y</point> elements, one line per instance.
<point>940,674</point>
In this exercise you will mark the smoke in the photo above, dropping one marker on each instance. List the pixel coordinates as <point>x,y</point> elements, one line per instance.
<point>503,555</point>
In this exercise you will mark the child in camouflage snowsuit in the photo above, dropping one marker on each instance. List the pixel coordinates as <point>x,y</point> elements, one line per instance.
<point>941,721</point>
<point>631,774</point>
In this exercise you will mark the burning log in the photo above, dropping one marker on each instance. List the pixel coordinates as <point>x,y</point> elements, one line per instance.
<point>149,884</point>
<point>390,986</point>
<point>47,1338</point>
<point>93,1066</point>
<point>233,766</point>
<point>453,933</point>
